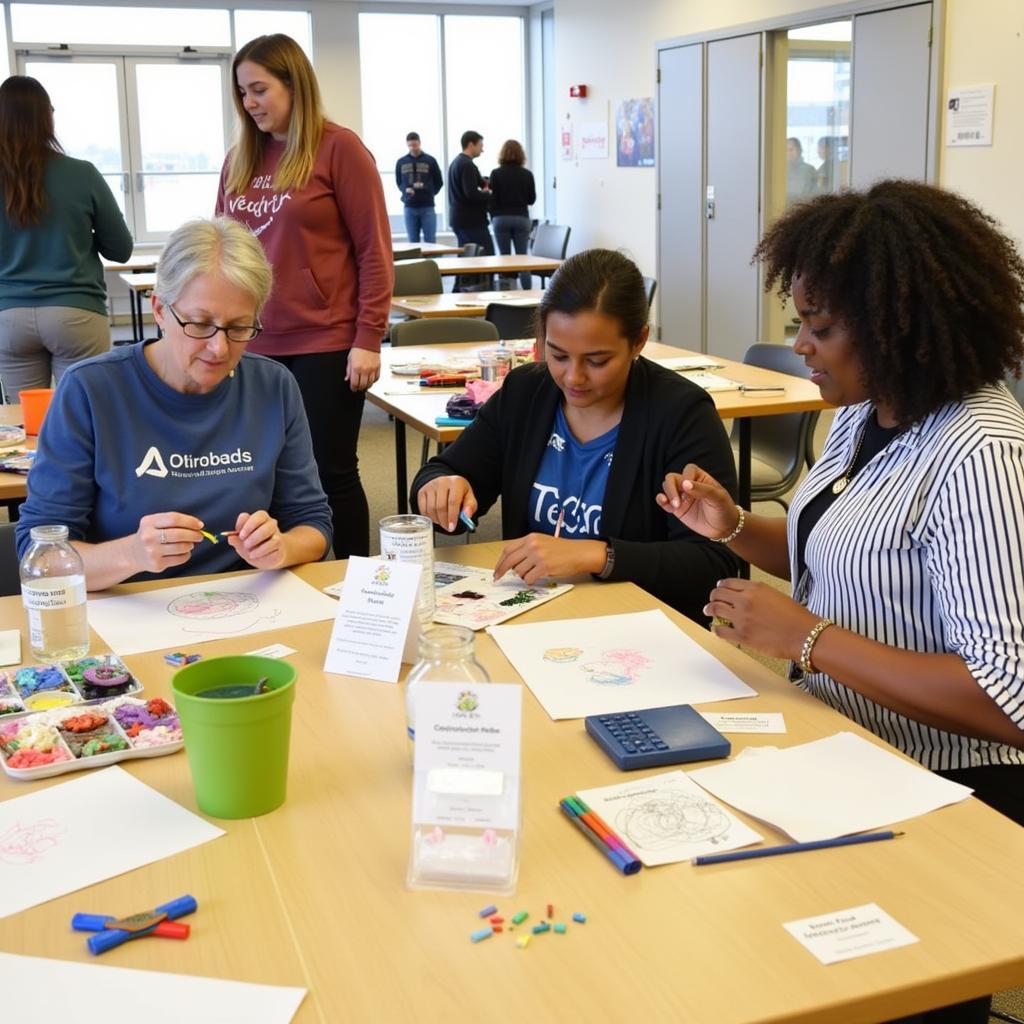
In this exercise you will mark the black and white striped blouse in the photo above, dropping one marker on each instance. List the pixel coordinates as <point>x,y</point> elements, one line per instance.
<point>924,551</point>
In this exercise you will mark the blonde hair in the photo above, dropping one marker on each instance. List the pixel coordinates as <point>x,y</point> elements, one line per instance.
<point>218,246</point>
<point>285,60</point>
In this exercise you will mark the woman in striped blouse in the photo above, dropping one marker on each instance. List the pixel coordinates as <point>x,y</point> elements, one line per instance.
<point>905,542</point>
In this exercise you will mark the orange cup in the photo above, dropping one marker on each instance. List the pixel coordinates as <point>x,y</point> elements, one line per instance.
<point>34,404</point>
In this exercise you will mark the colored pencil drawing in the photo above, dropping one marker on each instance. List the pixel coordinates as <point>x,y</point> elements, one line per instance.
<point>476,600</point>
<point>211,604</point>
<point>617,667</point>
<point>27,844</point>
<point>670,817</point>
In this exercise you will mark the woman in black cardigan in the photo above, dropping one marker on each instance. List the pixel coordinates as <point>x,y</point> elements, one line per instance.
<point>578,446</point>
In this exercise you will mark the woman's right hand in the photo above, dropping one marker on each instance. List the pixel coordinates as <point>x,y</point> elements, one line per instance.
<point>165,539</point>
<point>443,498</point>
<point>700,502</point>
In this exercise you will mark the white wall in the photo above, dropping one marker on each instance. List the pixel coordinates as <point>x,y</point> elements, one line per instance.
<point>609,46</point>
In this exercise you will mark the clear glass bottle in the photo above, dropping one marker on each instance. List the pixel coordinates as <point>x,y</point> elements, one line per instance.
<point>53,592</point>
<point>446,656</point>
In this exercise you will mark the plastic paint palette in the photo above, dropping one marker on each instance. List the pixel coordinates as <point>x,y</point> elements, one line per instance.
<point>90,736</point>
<point>11,435</point>
<point>36,688</point>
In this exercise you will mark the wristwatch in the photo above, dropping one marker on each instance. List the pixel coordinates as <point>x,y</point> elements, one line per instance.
<point>609,562</point>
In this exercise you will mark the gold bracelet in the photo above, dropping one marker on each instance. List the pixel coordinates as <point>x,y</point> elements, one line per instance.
<point>808,648</point>
<point>740,523</point>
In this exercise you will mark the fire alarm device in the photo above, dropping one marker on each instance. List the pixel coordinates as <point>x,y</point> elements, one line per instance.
<point>578,92</point>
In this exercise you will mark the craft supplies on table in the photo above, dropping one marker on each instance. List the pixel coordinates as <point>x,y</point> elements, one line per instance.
<point>36,688</point>
<point>88,736</point>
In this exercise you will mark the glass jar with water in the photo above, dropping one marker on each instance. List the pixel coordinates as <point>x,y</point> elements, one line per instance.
<point>53,592</point>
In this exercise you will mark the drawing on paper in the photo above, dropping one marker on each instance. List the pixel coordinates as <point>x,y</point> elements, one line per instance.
<point>27,844</point>
<point>523,597</point>
<point>209,606</point>
<point>617,667</point>
<point>476,600</point>
<point>671,817</point>
<point>562,655</point>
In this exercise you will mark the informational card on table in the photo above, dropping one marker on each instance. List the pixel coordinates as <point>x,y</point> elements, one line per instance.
<point>753,721</point>
<point>467,755</point>
<point>847,934</point>
<point>374,622</point>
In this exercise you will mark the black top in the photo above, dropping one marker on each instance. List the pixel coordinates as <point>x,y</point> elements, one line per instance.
<point>467,205</point>
<point>876,438</point>
<point>514,191</point>
<point>666,423</point>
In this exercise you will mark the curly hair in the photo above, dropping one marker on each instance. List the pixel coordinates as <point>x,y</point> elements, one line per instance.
<point>929,287</point>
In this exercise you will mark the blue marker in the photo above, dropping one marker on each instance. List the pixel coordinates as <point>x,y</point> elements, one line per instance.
<point>467,521</point>
<point>108,938</point>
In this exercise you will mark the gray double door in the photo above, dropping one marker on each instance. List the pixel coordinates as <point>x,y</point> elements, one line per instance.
<point>711,117</point>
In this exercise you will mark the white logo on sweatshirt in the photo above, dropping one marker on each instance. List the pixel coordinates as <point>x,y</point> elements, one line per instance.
<point>152,464</point>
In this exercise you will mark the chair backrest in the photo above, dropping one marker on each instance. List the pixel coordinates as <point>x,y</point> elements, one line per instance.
<point>408,254</point>
<point>471,249</point>
<point>551,240</point>
<point>512,321</point>
<point>650,287</point>
<point>419,277</point>
<point>781,441</point>
<point>10,579</point>
<point>441,329</point>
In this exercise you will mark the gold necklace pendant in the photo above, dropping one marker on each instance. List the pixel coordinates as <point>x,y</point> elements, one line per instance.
<point>840,485</point>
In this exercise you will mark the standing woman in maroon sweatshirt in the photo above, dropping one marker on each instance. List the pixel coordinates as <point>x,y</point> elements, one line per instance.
<point>310,191</point>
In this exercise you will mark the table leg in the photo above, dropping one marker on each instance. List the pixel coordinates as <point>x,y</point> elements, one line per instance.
<point>401,471</point>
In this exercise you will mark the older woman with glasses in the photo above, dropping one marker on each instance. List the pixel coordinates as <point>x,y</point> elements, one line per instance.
<point>184,455</point>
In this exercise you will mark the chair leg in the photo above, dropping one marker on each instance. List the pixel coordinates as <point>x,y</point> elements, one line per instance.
<point>426,451</point>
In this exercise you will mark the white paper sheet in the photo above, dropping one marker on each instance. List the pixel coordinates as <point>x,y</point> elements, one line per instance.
<point>667,818</point>
<point>477,601</point>
<point>612,663</point>
<point>34,986</point>
<point>181,617</point>
<point>848,934</point>
<point>57,840</point>
<point>831,787</point>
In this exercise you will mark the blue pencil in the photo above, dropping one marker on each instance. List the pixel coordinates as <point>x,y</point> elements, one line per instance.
<point>772,851</point>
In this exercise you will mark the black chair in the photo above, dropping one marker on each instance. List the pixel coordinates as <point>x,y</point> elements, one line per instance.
<point>513,321</point>
<point>408,254</point>
<point>439,331</point>
<point>10,579</point>
<point>552,241</point>
<point>780,446</point>
<point>650,287</point>
<point>470,282</point>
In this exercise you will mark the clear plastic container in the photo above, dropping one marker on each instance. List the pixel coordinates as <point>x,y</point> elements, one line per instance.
<point>53,592</point>
<point>409,538</point>
<point>446,656</point>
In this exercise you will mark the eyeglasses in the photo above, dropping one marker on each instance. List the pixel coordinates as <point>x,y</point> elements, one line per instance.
<point>238,333</point>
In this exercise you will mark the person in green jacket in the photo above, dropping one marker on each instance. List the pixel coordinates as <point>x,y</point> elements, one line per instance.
<point>57,217</point>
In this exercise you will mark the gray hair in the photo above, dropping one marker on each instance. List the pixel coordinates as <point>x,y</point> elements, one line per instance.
<point>221,246</point>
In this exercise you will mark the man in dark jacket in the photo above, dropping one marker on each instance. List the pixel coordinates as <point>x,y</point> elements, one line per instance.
<point>469,198</point>
<point>419,179</point>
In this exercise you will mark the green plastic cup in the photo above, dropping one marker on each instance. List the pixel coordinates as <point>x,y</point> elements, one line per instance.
<point>237,748</point>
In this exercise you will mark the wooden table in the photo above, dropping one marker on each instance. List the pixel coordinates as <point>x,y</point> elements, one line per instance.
<point>313,894</point>
<point>427,248</point>
<point>507,265</point>
<point>419,408</point>
<point>469,304</point>
<point>136,263</point>
<point>13,489</point>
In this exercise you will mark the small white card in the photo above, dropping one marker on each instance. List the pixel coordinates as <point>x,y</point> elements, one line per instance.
<point>730,721</point>
<point>467,755</point>
<point>375,620</point>
<point>273,651</point>
<point>848,934</point>
<point>10,647</point>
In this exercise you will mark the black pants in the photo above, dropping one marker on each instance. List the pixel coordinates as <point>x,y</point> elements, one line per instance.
<point>334,412</point>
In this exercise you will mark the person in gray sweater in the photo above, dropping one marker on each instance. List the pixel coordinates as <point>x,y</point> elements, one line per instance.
<point>57,217</point>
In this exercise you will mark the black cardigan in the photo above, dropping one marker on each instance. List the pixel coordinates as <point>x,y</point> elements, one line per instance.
<point>667,422</point>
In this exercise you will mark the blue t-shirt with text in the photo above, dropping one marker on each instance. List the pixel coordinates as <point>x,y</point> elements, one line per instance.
<point>572,476</point>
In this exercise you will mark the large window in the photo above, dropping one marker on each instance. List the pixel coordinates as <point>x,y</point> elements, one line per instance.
<point>157,122</point>
<point>422,73</point>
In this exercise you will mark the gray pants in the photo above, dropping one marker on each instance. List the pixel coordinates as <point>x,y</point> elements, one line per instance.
<point>40,342</point>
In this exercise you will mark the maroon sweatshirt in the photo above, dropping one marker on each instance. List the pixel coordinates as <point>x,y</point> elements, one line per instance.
<point>329,243</point>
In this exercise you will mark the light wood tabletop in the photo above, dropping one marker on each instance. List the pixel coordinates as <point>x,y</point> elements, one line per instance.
<point>13,485</point>
<point>468,304</point>
<point>137,263</point>
<point>449,265</point>
<point>427,248</point>
<point>419,408</point>
<point>313,894</point>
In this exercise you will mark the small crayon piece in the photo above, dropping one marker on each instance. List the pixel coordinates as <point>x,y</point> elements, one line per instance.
<point>178,658</point>
<point>497,929</point>
<point>497,919</point>
<point>211,537</point>
<point>520,917</point>
<point>523,941</point>
<point>481,934</point>
<point>467,521</point>
<point>487,911</point>
<point>559,928</point>
<point>551,910</point>
<point>579,918</point>
<point>539,929</point>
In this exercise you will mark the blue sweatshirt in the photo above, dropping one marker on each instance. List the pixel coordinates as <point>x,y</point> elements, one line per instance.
<point>118,443</point>
<point>57,262</point>
<point>421,170</point>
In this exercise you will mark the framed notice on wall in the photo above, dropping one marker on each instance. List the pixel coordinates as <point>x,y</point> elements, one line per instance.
<point>969,115</point>
<point>594,140</point>
<point>566,140</point>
